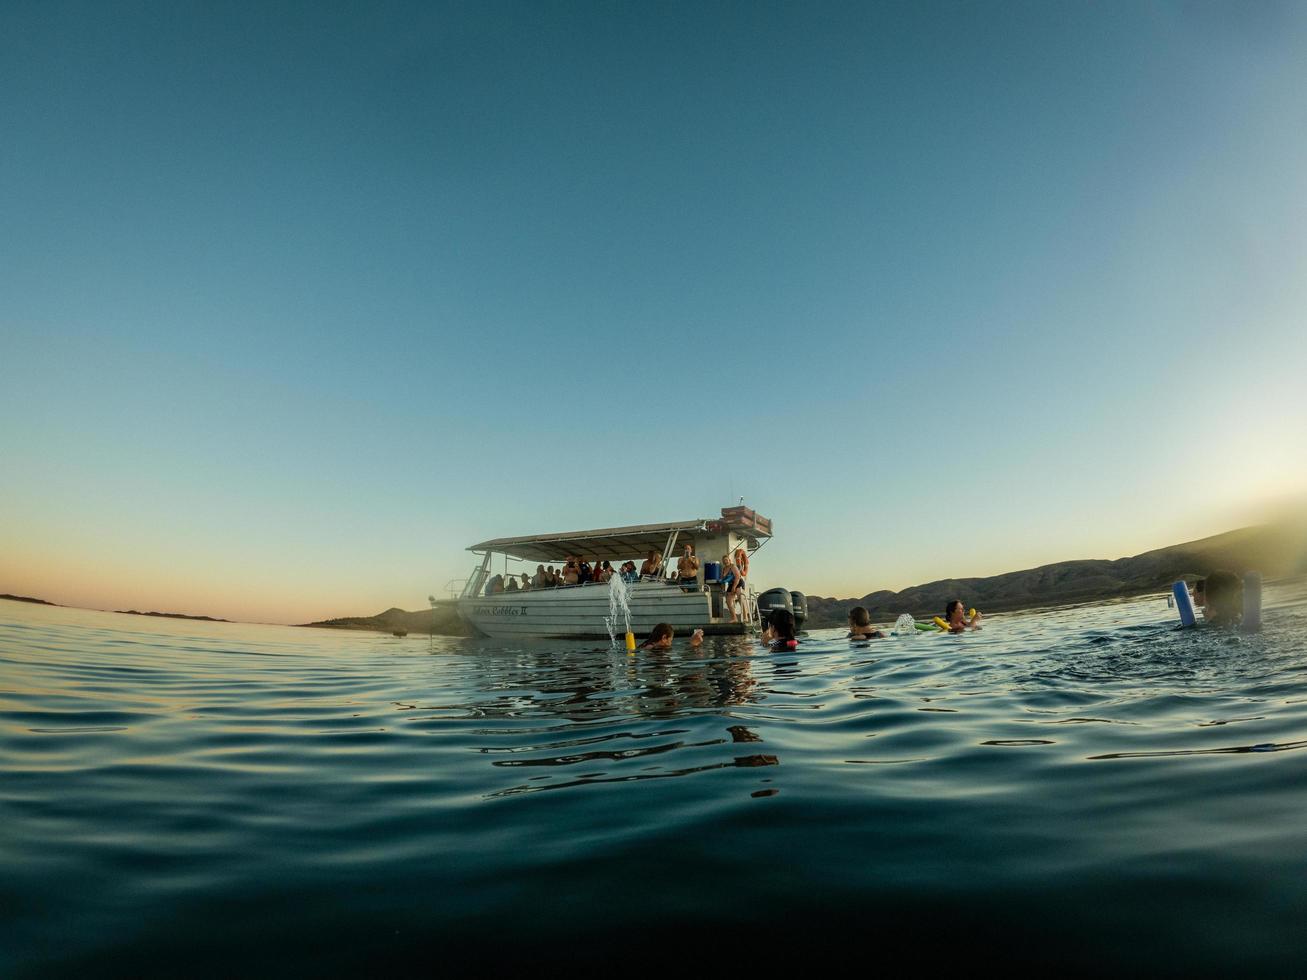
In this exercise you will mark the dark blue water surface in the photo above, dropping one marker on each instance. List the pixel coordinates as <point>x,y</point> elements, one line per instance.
<point>1086,789</point>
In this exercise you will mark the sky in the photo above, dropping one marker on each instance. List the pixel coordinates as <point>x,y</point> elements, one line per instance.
<point>297,301</point>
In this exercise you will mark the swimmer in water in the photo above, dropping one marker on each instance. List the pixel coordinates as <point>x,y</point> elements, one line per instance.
<point>660,638</point>
<point>778,633</point>
<point>860,627</point>
<point>956,617</point>
<point>1223,605</point>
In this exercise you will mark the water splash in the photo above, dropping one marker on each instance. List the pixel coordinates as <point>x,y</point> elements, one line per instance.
<point>905,625</point>
<point>618,603</point>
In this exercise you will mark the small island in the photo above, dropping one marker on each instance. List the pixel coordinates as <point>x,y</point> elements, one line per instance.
<point>164,615</point>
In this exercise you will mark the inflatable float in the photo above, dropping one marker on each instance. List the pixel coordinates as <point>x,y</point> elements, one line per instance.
<point>940,624</point>
<point>1184,604</point>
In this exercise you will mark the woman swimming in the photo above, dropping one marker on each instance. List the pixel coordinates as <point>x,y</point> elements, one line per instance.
<point>778,633</point>
<point>661,636</point>
<point>956,617</point>
<point>860,627</point>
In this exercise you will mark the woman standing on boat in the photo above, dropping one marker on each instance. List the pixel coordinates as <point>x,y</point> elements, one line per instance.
<point>729,575</point>
<point>734,582</point>
<point>741,568</point>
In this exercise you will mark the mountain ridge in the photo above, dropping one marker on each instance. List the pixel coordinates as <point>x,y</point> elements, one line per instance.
<point>1274,549</point>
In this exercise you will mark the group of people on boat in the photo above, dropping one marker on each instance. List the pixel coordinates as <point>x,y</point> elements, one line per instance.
<point>578,571</point>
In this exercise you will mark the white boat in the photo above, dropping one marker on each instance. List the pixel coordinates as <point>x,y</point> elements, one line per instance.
<point>580,611</point>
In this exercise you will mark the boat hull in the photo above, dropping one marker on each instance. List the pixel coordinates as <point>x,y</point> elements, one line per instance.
<point>580,612</point>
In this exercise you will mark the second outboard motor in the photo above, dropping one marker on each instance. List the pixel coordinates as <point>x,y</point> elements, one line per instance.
<point>799,601</point>
<point>771,600</point>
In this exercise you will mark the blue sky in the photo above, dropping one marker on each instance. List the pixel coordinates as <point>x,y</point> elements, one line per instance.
<point>298,301</point>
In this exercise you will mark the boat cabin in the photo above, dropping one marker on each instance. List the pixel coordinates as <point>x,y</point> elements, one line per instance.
<point>582,611</point>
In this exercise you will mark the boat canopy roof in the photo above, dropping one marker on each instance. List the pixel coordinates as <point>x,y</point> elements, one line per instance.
<point>624,542</point>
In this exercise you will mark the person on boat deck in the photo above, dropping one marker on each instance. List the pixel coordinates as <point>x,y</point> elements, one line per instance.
<point>526,582</point>
<point>512,584</point>
<point>741,568</point>
<point>687,567</point>
<point>860,627</point>
<point>956,617</point>
<point>496,584</point>
<point>660,638</point>
<point>728,576</point>
<point>1223,596</point>
<point>571,573</point>
<point>605,571</point>
<point>727,573</point>
<point>653,565</point>
<point>778,633</point>
<point>540,580</point>
<point>629,573</point>
<point>586,573</point>
<point>735,596</point>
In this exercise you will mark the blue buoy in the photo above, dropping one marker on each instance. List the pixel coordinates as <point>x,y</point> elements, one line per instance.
<point>1184,604</point>
<point>1252,602</point>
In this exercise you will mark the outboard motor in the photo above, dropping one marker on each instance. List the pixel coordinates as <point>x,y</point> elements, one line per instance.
<point>771,600</point>
<point>800,603</point>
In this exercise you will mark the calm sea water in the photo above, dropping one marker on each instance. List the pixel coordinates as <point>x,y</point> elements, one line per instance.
<point>1086,789</point>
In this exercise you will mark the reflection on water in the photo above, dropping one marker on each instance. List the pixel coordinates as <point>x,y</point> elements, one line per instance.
<point>251,798</point>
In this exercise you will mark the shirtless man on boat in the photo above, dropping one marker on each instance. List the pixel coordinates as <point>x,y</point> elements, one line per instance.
<point>687,567</point>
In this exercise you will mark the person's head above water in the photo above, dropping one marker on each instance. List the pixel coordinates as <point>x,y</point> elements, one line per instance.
<point>660,637</point>
<point>780,628</point>
<point>954,606</point>
<point>859,618</point>
<point>1224,598</point>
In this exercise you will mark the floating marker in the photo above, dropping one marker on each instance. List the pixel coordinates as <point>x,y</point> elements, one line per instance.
<point>1184,604</point>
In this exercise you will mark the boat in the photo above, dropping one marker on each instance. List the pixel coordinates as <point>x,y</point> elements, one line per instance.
<point>582,611</point>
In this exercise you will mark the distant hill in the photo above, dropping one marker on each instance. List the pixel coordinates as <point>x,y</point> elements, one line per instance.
<point>26,598</point>
<point>443,620</point>
<point>1275,550</point>
<point>163,615</point>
